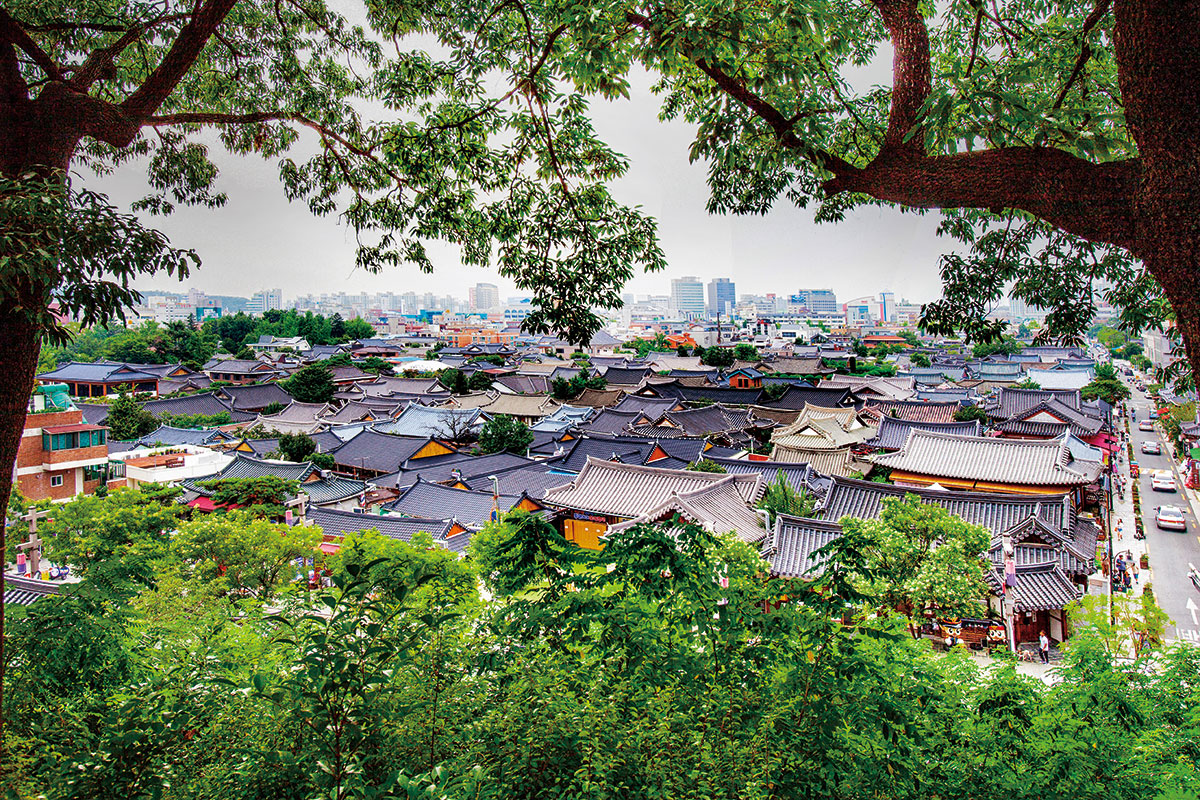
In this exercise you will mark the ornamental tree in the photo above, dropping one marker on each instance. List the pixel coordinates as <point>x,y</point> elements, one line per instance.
<point>919,555</point>
<point>250,554</point>
<point>503,433</point>
<point>311,384</point>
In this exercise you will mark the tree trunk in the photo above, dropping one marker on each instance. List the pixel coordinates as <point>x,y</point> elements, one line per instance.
<point>1157,45</point>
<point>18,363</point>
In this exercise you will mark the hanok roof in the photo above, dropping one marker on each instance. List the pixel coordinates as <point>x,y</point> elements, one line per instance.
<point>565,417</point>
<point>166,434</point>
<point>834,462</point>
<point>432,500</point>
<point>795,366</point>
<point>893,432</point>
<point>628,490</point>
<point>205,404</point>
<point>103,372</point>
<point>797,397</point>
<point>339,523</point>
<point>897,388</point>
<point>714,419</point>
<point>1028,462</point>
<point>715,394</point>
<point>238,366</point>
<point>1039,587</point>
<point>382,452</point>
<point>801,477</point>
<point>914,410</point>
<point>719,507</point>
<point>791,545</point>
<point>244,466</point>
<point>422,421</point>
<point>1057,380</point>
<point>355,412</point>
<point>1056,413</point>
<point>525,384</point>
<point>19,591</point>
<point>296,418</point>
<point>626,376</point>
<point>652,407</point>
<point>598,398</point>
<point>255,397</point>
<point>1008,402</point>
<point>612,420</point>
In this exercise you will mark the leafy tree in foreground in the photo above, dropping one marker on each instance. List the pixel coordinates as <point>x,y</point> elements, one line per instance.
<point>505,433</point>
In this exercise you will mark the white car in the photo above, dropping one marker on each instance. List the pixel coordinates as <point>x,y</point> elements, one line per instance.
<point>1170,518</point>
<point>1152,447</point>
<point>1145,425</point>
<point>1162,482</point>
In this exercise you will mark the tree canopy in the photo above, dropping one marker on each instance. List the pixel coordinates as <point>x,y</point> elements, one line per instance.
<point>503,433</point>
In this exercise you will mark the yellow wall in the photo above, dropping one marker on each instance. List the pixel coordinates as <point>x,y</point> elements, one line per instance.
<point>583,533</point>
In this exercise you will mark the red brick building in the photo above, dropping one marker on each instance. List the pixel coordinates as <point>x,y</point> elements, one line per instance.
<point>61,456</point>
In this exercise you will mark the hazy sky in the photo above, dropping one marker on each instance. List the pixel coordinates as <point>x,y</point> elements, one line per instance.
<point>259,240</point>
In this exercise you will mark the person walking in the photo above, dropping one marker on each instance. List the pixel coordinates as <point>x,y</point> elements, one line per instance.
<point>1044,647</point>
<point>1133,565</point>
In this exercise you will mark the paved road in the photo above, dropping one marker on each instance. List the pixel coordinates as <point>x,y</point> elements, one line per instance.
<point>1170,551</point>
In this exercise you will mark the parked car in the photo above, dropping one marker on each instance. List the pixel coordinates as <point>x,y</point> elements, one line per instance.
<point>1170,518</point>
<point>1162,482</point>
<point>1152,447</point>
<point>1146,425</point>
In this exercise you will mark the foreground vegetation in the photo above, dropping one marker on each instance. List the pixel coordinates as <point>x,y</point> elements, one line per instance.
<point>192,665</point>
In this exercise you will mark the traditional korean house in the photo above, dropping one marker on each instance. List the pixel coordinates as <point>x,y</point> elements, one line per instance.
<point>1054,547</point>
<point>987,463</point>
<point>893,431</point>
<point>104,378</point>
<point>606,493</point>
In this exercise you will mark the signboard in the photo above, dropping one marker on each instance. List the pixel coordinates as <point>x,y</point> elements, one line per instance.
<point>589,517</point>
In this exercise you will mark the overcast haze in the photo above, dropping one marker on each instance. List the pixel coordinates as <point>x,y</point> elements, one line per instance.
<point>259,240</point>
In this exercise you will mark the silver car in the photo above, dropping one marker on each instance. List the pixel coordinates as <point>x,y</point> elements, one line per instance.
<point>1170,518</point>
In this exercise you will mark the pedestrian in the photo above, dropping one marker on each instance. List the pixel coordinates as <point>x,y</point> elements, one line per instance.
<point>1044,647</point>
<point>1133,565</point>
<point>1120,531</point>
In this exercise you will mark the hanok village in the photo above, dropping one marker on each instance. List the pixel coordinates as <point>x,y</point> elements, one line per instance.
<point>664,437</point>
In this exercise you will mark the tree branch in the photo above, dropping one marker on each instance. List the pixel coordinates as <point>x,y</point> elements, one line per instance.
<point>1094,201</point>
<point>186,48</point>
<point>206,118</point>
<point>13,88</point>
<point>912,79</point>
<point>11,31</point>
<point>1085,51</point>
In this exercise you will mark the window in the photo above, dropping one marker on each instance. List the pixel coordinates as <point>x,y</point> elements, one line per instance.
<point>94,472</point>
<point>56,480</point>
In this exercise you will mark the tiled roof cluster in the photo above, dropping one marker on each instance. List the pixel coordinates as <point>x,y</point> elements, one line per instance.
<point>990,459</point>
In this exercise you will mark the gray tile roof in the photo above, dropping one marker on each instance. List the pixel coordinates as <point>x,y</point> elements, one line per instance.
<point>332,489</point>
<point>103,372</point>
<point>423,421</point>
<point>255,397</point>
<point>339,523</point>
<point>915,410</point>
<point>652,407</point>
<point>165,434</point>
<point>612,420</point>
<point>627,490</point>
<point>1056,411</point>
<point>206,404</point>
<point>801,477</point>
<point>625,376</point>
<point>719,507</point>
<point>93,413</point>
<point>1040,587</point>
<point>378,452</point>
<point>987,458</point>
<point>20,591</point>
<point>893,432</point>
<point>797,397</point>
<point>244,466</point>
<point>1008,402</point>
<point>790,546</point>
<point>534,480</point>
<point>470,509</point>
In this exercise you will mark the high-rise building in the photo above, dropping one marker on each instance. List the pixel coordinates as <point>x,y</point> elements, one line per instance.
<point>264,301</point>
<point>887,307</point>
<point>818,301</point>
<point>483,297</point>
<point>687,295</point>
<point>721,296</point>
